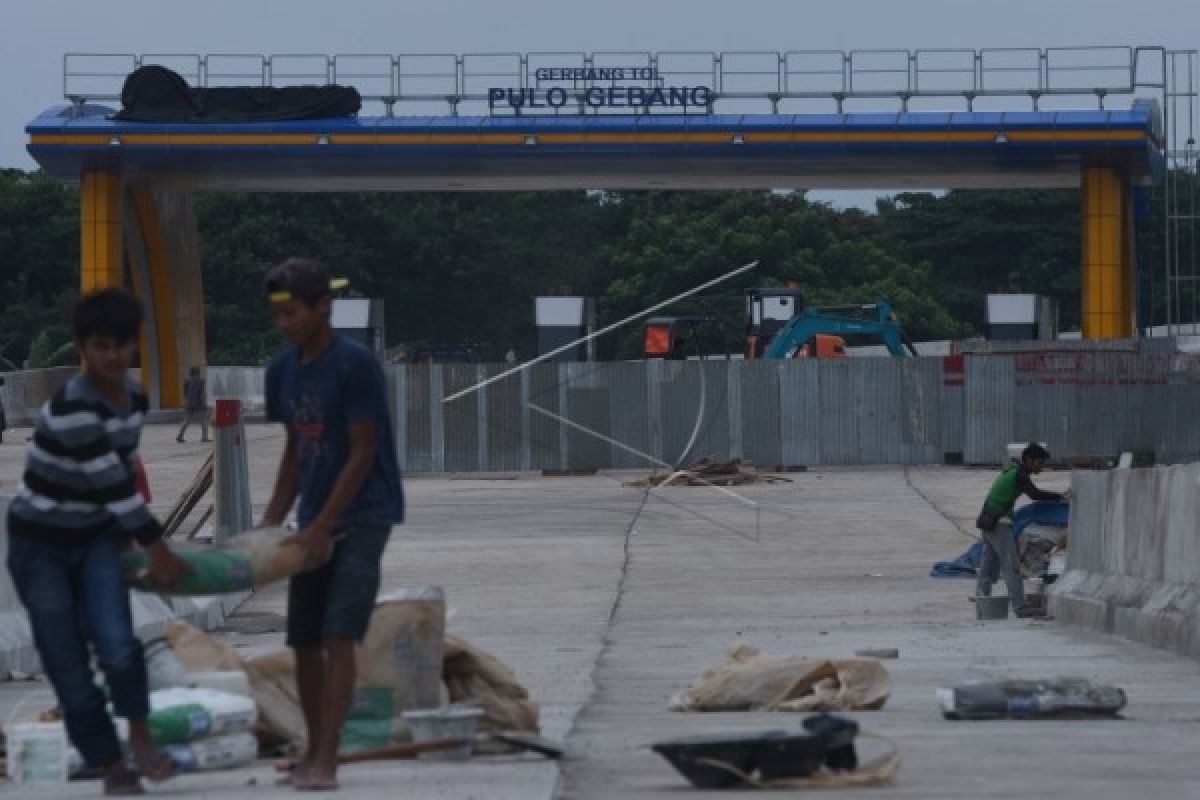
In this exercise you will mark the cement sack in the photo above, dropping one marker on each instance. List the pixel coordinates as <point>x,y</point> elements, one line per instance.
<point>753,681</point>
<point>227,712</point>
<point>399,668</point>
<point>469,675</point>
<point>215,752</point>
<point>248,561</point>
<point>272,680</point>
<point>402,666</point>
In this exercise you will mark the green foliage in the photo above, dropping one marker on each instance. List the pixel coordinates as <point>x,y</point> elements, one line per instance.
<point>978,242</point>
<point>465,267</point>
<point>48,351</point>
<point>39,263</point>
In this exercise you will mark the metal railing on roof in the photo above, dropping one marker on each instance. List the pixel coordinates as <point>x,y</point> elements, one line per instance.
<point>782,81</point>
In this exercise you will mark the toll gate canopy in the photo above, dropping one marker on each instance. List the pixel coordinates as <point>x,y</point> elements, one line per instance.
<point>1060,117</point>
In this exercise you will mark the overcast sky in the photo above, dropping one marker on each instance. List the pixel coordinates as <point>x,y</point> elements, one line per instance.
<point>34,34</point>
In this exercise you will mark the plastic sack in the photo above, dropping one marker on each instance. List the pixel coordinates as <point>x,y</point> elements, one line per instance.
<point>754,681</point>
<point>271,678</point>
<point>1061,698</point>
<point>399,667</point>
<point>215,752</point>
<point>183,715</point>
<point>179,723</point>
<point>249,560</point>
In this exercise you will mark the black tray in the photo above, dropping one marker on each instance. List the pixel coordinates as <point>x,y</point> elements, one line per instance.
<point>793,755</point>
<point>739,750</point>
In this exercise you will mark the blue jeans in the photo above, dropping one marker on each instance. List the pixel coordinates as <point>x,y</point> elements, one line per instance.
<point>75,596</point>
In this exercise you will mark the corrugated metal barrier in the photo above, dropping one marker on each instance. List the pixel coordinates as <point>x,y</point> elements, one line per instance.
<point>926,410</point>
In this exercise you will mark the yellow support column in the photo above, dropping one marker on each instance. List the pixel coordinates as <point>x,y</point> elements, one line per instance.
<point>100,216</point>
<point>160,303</point>
<point>1107,254</point>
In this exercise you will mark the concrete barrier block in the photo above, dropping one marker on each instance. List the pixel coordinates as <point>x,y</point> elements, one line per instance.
<point>25,392</point>
<point>1085,528</point>
<point>1165,630</point>
<point>1181,549</point>
<point>1166,618</point>
<point>1078,609</point>
<point>1134,562</point>
<point>1139,528</point>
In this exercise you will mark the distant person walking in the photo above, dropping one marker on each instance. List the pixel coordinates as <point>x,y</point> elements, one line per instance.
<point>195,404</point>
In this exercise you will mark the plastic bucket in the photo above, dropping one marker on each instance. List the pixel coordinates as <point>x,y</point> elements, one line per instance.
<point>991,607</point>
<point>452,722</point>
<point>37,753</point>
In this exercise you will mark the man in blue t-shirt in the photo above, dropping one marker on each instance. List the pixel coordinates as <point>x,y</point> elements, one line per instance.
<point>340,461</point>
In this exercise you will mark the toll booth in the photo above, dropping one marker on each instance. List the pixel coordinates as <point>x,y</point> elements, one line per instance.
<point>1015,317</point>
<point>562,320</point>
<point>361,318</point>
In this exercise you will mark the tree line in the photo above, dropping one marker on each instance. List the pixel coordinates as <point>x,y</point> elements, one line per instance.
<point>465,267</point>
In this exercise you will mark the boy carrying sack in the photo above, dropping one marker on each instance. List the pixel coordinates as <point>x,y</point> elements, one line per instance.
<point>74,512</point>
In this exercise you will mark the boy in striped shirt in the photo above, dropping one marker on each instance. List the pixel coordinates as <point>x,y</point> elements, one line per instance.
<point>75,511</point>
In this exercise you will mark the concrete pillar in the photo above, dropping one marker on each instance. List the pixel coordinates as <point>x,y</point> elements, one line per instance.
<point>158,230</point>
<point>1107,268</point>
<point>150,263</point>
<point>181,278</point>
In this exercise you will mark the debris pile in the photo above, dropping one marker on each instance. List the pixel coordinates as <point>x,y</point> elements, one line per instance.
<point>754,681</point>
<point>707,472</point>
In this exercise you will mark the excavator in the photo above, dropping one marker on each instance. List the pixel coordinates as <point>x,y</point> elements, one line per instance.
<point>779,326</point>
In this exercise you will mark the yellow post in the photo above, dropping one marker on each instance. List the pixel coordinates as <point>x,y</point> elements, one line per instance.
<point>102,253</point>
<point>1107,276</point>
<point>161,302</point>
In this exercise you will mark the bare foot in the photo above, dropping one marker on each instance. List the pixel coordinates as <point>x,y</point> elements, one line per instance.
<point>156,765</point>
<point>315,779</point>
<point>121,782</point>
<point>294,770</point>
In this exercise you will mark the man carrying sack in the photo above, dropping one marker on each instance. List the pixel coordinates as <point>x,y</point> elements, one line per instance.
<point>340,462</point>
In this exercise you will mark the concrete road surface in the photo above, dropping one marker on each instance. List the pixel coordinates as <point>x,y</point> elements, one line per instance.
<point>606,601</point>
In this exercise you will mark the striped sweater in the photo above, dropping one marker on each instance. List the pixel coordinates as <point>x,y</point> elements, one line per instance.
<point>79,476</point>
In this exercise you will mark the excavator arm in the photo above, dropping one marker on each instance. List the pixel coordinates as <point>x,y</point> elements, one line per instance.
<point>876,320</point>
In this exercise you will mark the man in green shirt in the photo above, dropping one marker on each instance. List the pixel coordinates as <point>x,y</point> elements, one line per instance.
<point>1000,558</point>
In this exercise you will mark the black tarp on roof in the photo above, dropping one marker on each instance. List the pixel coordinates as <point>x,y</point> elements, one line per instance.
<point>157,94</point>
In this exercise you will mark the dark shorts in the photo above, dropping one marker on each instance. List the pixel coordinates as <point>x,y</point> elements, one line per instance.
<point>337,599</point>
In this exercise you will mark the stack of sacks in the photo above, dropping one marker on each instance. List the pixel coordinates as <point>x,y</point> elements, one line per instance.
<point>469,676</point>
<point>202,729</point>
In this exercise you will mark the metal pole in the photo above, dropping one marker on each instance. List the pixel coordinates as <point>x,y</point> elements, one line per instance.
<point>231,479</point>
